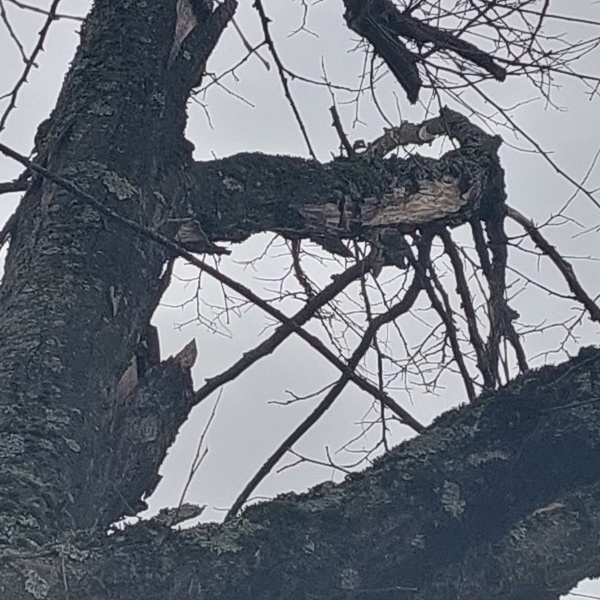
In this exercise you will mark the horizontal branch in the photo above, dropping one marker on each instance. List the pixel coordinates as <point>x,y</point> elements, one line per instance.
<point>439,505</point>
<point>356,197</point>
<point>546,539</point>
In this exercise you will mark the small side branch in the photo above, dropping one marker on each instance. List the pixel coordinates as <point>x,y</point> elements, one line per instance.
<point>337,123</point>
<point>444,310</point>
<point>367,341</point>
<point>264,20</point>
<point>18,185</point>
<point>561,264</point>
<point>462,289</point>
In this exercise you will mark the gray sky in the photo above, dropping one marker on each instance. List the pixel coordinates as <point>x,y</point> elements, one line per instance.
<point>247,427</point>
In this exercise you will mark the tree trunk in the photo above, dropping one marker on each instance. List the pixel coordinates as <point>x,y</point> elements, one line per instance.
<point>499,496</point>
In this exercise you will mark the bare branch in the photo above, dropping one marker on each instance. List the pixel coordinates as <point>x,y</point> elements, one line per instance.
<point>400,308</point>
<point>561,264</point>
<point>30,63</point>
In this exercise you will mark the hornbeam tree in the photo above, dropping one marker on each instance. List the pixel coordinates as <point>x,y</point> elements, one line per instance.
<point>500,498</point>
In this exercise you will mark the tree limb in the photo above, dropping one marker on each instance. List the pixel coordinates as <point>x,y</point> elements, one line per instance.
<point>451,509</point>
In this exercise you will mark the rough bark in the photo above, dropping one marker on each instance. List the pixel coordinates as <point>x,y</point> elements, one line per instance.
<point>86,414</point>
<point>501,496</point>
<point>79,289</point>
<point>249,193</point>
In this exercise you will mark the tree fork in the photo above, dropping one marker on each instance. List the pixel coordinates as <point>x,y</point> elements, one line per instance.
<point>117,134</point>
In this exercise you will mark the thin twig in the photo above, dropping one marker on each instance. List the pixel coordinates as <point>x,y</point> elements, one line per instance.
<point>543,153</point>
<point>43,11</point>
<point>444,311</point>
<point>248,46</point>
<point>378,353</point>
<point>337,123</point>
<point>30,63</point>
<point>462,289</point>
<point>11,32</point>
<point>295,251</point>
<point>561,264</point>
<point>264,20</point>
<point>401,307</point>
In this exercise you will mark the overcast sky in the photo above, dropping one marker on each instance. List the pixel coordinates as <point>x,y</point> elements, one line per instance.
<point>251,115</point>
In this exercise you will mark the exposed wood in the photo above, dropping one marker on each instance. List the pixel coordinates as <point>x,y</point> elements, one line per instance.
<point>489,500</point>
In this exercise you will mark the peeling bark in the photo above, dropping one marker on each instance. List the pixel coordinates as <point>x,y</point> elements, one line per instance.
<point>236,197</point>
<point>84,426</point>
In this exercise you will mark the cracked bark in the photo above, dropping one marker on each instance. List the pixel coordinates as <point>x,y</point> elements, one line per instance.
<point>472,504</point>
<point>474,498</point>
